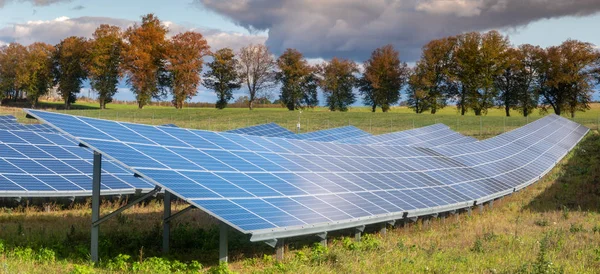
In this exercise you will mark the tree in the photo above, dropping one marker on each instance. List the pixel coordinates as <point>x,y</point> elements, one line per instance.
<point>185,59</point>
<point>467,68</point>
<point>70,67</point>
<point>13,71</point>
<point>383,78</point>
<point>144,57</point>
<point>105,62</point>
<point>298,82</point>
<point>492,61</point>
<point>527,96</point>
<point>508,82</point>
<point>39,66</point>
<point>223,77</point>
<point>432,83</point>
<point>337,80</point>
<point>257,70</point>
<point>566,76</point>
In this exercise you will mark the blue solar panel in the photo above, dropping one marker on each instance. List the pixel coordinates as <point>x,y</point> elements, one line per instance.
<point>43,164</point>
<point>358,184</point>
<point>267,130</point>
<point>9,122</point>
<point>329,135</point>
<point>169,125</point>
<point>429,136</point>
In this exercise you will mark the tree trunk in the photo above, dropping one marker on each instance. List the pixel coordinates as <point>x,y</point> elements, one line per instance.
<point>102,103</point>
<point>373,108</point>
<point>557,110</point>
<point>572,114</point>
<point>140,105</point>
<point>462,110</point>
<point>250,104</point>
<point>507,109</point>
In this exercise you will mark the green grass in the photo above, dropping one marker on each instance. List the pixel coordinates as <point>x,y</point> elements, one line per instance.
<point>399,118</point>
<point>551,227</point>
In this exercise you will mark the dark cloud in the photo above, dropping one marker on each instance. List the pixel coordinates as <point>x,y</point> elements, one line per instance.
<point>353,28</point>
<point>78,7</point>
<point>52,31</point>
<point>34,2</point>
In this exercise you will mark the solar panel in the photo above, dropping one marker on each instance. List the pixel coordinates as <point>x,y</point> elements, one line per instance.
<point>267,130</point>
<point>330,135</point>
<point>46,164</point>
<point>274,187</point>
<point>9,122</point>
<point>169,125</point>
<point>429,136</point>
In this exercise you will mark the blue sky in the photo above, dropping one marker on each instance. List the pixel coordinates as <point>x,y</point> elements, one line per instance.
<point>320,32</point>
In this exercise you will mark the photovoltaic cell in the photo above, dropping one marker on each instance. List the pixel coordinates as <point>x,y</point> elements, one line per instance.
<point>358,184</point>
<point>42,164</point>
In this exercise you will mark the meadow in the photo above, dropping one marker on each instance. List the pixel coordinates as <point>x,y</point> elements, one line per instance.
<point>552,226</point>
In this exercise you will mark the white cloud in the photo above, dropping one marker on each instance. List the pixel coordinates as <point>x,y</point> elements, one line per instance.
<point>52,31</point>
<point>461,8</point>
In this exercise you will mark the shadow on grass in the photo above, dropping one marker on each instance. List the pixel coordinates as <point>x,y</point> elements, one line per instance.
<point>578,183</point>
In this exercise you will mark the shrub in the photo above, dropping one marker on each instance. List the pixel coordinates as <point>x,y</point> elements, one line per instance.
<point>477,246</point>
<point>222,268</point>
<point>46,255</point>
<point>119,263</point>
<point>82,269</point>
<point>576,228</point>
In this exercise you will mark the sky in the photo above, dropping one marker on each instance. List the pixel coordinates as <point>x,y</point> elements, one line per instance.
<point>320,29</point>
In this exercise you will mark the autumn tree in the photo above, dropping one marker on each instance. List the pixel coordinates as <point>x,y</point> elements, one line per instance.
<point>566,76</point>
<point>223,76</point>
<point>185,58</point>
<point>257,71</point>
<point>105,62</point>
<point>13,71</point>
<point>144,57</point>
<point>39,68</point>
<point>384,77</point>
<point>337,80</point>
<point>432,83</point>
<point>69,69</point>
<point>297,79</point>
<point>467,68</point>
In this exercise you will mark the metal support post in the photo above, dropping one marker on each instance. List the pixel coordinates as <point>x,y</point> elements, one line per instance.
<point>166,223</point>
<point>443,217</point>
<point>223,242</point>
<point>96,181</point>
<point>480,206</point>
<point>323,237</point>
<point>491,204</point>
<point>383,229</point>
<point>469,211</point>
<point>358,232</point>
<point>279,250</point>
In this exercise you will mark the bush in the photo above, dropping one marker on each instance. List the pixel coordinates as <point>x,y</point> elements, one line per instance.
<point>82,269</point>
<point>222,268</point>
<point>119,263</point>
<point>46,255</point>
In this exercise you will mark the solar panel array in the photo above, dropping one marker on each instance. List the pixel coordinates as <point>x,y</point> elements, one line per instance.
<point>429,136</point>
<point>267,130</point>
<point>270,187</point>
<point>330,135</point>
<point>47,164</point>
<point>9,122</point>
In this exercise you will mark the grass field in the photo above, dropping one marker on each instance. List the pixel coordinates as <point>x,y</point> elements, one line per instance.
<point>551,227</point>
<point>400,118</point>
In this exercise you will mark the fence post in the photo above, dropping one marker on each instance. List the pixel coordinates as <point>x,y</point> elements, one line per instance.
<point>504,124</point>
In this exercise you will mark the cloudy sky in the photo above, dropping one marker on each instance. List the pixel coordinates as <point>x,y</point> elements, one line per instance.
<point>320,29</point>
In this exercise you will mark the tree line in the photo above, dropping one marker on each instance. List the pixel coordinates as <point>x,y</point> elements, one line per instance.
<point>475,71</point>
<point>478,71</point>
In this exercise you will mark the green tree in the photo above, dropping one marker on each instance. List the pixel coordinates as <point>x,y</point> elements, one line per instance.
<point>467,69</point>
<point>337,80</point>
<point>223,76</point>
<point>105,62</point>
<point>70,68</point>
<point>384,77</point>
<point>13,71</point>
<point>297,79</point>
<point>39,66</point>
<point>492,54</point>
<point>185,58</point>
<point>566,75</point>
<point>508,83</point>
<point>257,70</point>
<point>431,84</point>
<point>144,58</point>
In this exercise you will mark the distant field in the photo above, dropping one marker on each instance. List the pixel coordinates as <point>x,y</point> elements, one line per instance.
<point>400,118</point>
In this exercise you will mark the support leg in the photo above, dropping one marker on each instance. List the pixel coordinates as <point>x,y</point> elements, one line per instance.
<point>491,204</point>
<point>279,249</point>
<point>223,242</point>
<point>480,206</point>
<point>96,181</point>
<point>383,229</point>
<point>358,233</point>
<point>166,222</point>
<point>469,211</point>
<point>443,217</point>
<point>323,237</point>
